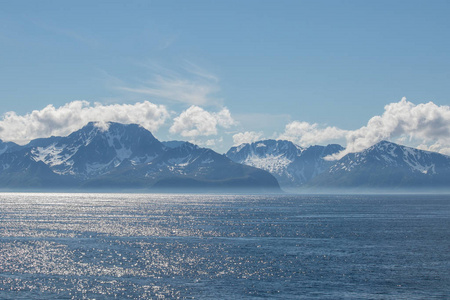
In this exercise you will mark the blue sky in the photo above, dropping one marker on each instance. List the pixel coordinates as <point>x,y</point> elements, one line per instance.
<point>323,64</point>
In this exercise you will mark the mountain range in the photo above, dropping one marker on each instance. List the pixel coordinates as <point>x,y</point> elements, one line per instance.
<point>121,156</point>
<point>384,165</point>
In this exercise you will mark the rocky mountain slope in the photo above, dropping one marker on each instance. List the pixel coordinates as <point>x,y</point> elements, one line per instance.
<point>291,164</point>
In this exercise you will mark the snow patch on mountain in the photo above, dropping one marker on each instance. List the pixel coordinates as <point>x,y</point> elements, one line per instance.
<point>275,164</point>
<point>50,155</point>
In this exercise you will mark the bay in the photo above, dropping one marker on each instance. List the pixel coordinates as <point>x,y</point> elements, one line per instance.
<point>147,246</point>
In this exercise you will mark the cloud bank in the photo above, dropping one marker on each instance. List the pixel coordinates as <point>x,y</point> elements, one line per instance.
<point>426,125</point>
<point>306,134</point>
<point>195,121</point>
<point>72,116</point>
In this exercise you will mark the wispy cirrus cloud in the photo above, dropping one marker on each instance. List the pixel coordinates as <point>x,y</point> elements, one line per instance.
<point>63,120</point>
<point>69,33</point>
<point>189,84</point>
<point>199,71</point>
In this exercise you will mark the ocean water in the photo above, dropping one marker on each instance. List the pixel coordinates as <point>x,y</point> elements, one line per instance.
<point>158,246</point>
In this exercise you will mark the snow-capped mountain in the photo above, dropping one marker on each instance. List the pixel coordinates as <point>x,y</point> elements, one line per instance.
<point>93,150</point>
<point>387,164</point>
<point>291,164</point>
<point>117,155</point>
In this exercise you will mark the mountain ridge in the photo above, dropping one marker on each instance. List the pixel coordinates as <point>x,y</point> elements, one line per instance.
<point>389,165</point>
<point>128,156</point>
<point>123,156</point>
<point>383,165</point>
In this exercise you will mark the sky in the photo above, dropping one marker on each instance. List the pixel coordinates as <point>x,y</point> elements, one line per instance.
<point>221,73</point>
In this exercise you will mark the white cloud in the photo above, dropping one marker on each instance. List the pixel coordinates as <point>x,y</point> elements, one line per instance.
<point>426,123</point>
<point>426,126</point>
<point>224,118</point>
<point>305,134</point>
<point>246,137</point>
<point>195,121</point>
<point>72,116</point>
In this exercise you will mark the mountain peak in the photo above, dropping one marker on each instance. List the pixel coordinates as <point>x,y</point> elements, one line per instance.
<point>387,164</point>
<point>109,126</point>
<point>384,144</point>
<point>97,148</point>
<point>110,130</point>
<point>264,148</point>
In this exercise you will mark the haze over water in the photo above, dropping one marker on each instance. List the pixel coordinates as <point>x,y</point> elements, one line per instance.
<point>142,246</point>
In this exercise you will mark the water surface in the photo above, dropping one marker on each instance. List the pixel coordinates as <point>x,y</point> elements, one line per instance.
<point>119,246</point>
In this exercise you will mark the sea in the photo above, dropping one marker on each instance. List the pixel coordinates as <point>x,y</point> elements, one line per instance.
<point>207,246</point>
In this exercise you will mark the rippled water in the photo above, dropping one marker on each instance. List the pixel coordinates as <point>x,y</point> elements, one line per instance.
<point>118,246</point>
